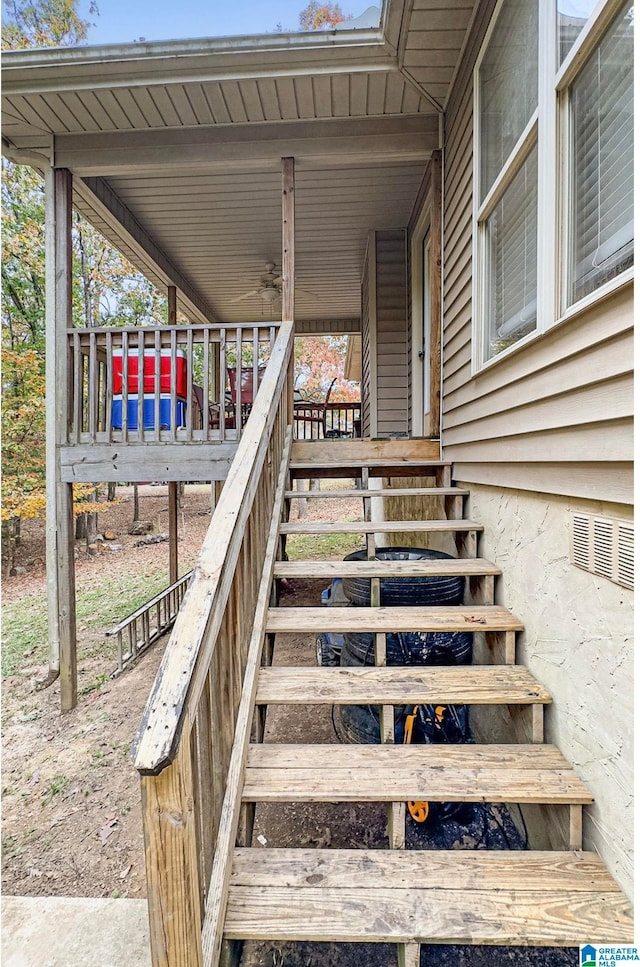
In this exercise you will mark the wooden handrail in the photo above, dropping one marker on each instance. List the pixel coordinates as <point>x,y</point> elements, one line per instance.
<point>184,744</point>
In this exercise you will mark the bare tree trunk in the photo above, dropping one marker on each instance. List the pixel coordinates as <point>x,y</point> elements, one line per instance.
<point>81,526</point>
<point>136,504</point>
<point>111,491</point>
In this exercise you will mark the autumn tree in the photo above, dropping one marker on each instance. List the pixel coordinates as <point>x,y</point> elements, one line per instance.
<point>107,290</point>
<point>43,23</point>
<point>318,361</point>
<point>321,16</point>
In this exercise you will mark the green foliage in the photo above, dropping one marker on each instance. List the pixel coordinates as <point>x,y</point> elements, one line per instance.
<point>43,23</point>
<point>23,432</point>
<point>106,290</point>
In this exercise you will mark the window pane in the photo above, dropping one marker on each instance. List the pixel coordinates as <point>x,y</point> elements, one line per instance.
<point>572,16</point>
<point>601,216</point>
<point>512,240</point>
<point>508,85</point>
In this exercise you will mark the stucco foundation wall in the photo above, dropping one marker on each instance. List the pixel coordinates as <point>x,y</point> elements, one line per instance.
<point>578,643</point>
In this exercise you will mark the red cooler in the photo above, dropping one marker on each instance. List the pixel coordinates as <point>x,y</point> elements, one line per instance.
<point>149,372</point>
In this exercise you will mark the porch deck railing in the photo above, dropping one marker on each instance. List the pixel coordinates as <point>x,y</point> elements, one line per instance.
<point>184,390</point>
<point>318,421</point>
<point>139,630</point>
<point>184,745</point>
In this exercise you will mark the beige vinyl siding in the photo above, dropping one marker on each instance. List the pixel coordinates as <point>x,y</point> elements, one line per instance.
<point>555,416</point>
<point>384,335</point>
<point>391,330</point>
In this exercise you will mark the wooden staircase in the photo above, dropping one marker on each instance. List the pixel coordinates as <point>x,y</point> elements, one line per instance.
<point>409,897</point>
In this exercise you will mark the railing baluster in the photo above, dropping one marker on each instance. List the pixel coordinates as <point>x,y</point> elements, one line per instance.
<point>77,388</point>
<point>189,433</point>
<point>125,386</point>
<point>92,387</point>
<point>223,384</point>
<point>208,386</point>
<point>256,361</point>
<point>238,382</point>
<point>157,369</point>
<point>174,395</point>
<point>109,387</point>
<point>141,435</point>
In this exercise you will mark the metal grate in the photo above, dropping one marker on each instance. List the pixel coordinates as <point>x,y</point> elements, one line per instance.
<point>605,546</point>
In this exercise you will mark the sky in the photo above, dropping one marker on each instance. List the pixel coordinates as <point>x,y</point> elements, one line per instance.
<point>126,21</point>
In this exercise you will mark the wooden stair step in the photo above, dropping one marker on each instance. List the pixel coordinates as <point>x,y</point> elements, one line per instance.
<point>377,467</point>
<point>462,896</point>
<point>475,685</point>
<point>327,452</point>
<point>384,619</point>
<point>387,492</point>
<point>397,773</point>
<point>379,527</point>
<point>440,567</point>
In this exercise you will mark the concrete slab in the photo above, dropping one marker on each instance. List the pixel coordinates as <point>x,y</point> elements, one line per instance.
<point>74,932</point>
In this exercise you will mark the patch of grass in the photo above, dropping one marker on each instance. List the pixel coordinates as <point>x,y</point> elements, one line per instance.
<point>24,624</point>
<point>316,547</point>
<point>96,684</point>
<point>57,785</point>
<point>24,627</point>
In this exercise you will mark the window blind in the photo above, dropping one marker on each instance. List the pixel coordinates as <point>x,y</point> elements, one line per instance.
<point>512,243</point>
<point>601,189</point>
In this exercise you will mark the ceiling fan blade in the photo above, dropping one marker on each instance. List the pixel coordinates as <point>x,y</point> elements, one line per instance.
<point>247,295</point>
<point>312,295</point>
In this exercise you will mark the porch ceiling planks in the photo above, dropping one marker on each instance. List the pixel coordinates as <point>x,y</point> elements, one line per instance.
<point>189,135</point>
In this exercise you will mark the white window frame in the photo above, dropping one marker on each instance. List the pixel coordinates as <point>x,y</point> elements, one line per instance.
<point>549,126</point>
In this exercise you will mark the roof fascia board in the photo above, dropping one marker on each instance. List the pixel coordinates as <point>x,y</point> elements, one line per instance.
<point>394,13</point>
<point>330,141</point>
<point>149,258</point>
<point>34,71</point>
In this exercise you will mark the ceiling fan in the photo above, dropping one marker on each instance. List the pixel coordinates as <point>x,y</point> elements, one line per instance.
<point>270,288</point>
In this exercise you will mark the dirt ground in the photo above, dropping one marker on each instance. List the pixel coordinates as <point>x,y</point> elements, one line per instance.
<point>71,823</point>
<point>70,794</point>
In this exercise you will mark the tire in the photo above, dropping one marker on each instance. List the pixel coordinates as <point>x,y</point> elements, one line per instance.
<point>411,648</point>
<point>329,649</point>
<point>445,590</point>
<point>360,724</point>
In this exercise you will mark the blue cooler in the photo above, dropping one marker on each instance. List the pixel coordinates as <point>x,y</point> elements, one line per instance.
<point>148,411</point>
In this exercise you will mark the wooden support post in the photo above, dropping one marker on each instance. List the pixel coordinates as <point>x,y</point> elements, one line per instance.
<point>61,602</point>
<point>467,543</point>
<point>537,723</point>
<point>454,506</point>
<point>172,863</point>
<point>408,955</point>
<point>288,239</point>
<point>172,315</point>
<point>173,532</point>
<point>482,589</point>
<point>575,827</point>
<point>435,271</point>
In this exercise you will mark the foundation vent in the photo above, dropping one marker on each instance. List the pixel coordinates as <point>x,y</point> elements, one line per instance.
<point>605,546</point>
